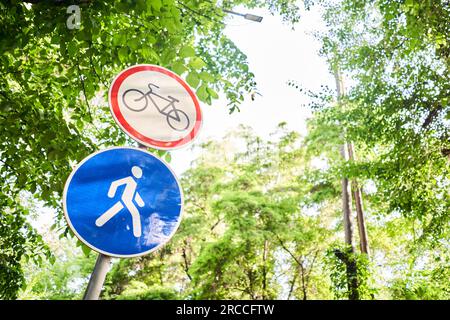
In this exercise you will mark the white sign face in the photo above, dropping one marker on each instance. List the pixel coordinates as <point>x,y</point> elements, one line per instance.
<point>155,106</point>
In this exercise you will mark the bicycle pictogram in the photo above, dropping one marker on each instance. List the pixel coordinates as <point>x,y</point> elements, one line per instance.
<point>137,101</point>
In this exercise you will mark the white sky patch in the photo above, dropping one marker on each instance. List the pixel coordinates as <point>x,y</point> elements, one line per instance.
<point>320,163</point>
<point>276,55</point>
<point>370,187</point>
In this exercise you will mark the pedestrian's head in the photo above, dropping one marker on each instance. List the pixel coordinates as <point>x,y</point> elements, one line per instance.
<point>136,171</point>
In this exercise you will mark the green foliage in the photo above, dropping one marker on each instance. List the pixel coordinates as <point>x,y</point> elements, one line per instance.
<point>419,286</point>
<point>18,242</point>
<point>237,224</point>
<point>54,81</point>
<point>397,58</point>
<point>63,279</point>
<point>338,258</point>
<point>260,222</point>
<point>139,291</point>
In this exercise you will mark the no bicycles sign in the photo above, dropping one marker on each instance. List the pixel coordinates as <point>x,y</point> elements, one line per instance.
<point>155,107</point>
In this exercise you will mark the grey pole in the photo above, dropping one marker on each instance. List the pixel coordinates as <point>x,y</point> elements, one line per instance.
<point>97,279</point>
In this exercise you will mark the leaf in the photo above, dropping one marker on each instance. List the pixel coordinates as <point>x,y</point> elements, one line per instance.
<point>192,79</point>
<point>118,39</point>
<point>86,250</point>
<point>72,49</point>
<point>156,5</point>
<point>212,93</point>
<point>161,153</point>
<point>149,39</point>
<point>140,5</point>
<point>134,43</point>
<point>202,93</point>
<point>179,68</point>
<point>206,76</point>
<point>197,63</point>
<point>170,25</point>
<point>56,39</point>
<point>187,51</point>
<point>168,157</point>
<point>32,187</point>
<point>149,54</point>
<point>123,54</point>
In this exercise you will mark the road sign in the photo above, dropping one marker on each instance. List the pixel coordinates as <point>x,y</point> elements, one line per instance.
<point>155,106</point>
<point>123,202</point>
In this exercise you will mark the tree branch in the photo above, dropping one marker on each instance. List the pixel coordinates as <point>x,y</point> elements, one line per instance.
<point>186,263</point>
<point>432,115</point>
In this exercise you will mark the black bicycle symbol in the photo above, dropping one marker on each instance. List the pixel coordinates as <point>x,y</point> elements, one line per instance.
<point>136,100</point>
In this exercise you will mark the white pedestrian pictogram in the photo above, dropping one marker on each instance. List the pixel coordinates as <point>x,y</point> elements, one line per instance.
<point>128,195</point>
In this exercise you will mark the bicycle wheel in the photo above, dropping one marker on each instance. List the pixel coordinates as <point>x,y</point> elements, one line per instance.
<point>135,100</point>
<point>178,125</point>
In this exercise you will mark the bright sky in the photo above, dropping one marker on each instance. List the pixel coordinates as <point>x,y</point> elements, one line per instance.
<point>276,54</point>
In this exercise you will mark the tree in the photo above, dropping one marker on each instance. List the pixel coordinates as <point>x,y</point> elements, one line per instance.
<point>18,242</point>
<point>65,277</point>
<point>395,106</point>
<point>261,220</point>
<point>394,54</point>
<point>53,82</point>
<point>243,229</point>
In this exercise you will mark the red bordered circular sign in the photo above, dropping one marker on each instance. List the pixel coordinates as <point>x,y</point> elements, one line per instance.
<point>155,107</point>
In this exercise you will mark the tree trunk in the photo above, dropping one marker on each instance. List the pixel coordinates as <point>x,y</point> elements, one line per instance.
<point>347,257</point>
<point>291,289</point>
<point>352,272</point>
<point>347,204</point>
<point>265,253</point>
<point>346,188</point>
<point>363,240</point>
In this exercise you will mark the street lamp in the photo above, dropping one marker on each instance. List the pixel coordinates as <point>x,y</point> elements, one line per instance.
<point>247,16</point>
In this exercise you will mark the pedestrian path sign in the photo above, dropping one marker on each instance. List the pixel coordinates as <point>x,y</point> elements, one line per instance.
<point>123,202</point>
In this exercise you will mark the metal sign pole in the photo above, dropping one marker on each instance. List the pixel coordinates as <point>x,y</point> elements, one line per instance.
<point>97,279</point>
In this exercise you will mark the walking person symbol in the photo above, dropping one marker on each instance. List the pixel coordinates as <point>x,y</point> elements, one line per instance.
<point>128,195</point>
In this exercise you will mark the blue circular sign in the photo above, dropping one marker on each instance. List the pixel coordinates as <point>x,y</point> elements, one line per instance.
<point>123,202</point>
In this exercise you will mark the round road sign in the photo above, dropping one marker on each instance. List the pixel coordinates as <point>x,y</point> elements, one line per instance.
<point>123,202</point>
<point>155,107</point>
